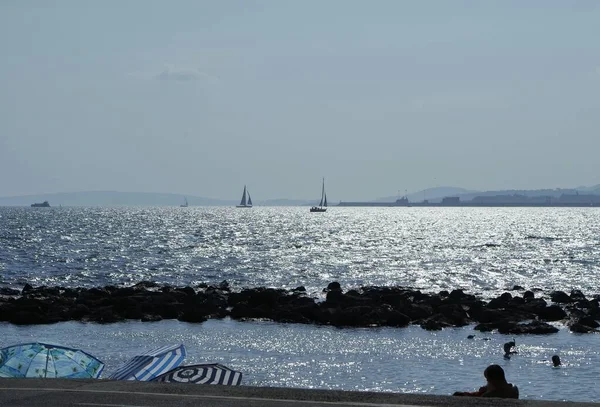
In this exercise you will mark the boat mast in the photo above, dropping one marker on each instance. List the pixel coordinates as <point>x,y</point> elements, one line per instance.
<point>322,193</point>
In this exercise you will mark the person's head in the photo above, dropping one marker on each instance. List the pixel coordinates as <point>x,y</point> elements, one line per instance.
<point>508,346</point>
<point>494,373</point>
<point>555,360</point>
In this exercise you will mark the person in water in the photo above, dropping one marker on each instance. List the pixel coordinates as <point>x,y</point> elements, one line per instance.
<point>508,346</point>
<point>556,361</point>
<point>496,386</point>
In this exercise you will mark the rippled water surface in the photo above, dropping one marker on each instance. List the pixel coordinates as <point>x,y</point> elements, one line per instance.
<point>483,250</point>
<point>385,359</point>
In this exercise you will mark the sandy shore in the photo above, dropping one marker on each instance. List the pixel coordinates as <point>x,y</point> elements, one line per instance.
<point>61,392</point>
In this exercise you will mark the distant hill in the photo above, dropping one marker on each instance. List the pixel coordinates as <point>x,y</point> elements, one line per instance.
<point>112,198</point>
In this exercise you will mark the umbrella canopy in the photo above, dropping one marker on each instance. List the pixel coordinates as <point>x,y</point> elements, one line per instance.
<point>213,373</point>
<point>44,360</point>
<point>151,364</point>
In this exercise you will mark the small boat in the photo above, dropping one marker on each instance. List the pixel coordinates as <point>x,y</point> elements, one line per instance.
<point>44,204</point>
<point>323,204</point>
<point>185,203</point>
<point>246,201</point>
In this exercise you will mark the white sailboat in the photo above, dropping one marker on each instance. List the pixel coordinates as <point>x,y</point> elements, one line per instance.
<point>246,201</point>
<point>323,204</point>
<point>185,203</point>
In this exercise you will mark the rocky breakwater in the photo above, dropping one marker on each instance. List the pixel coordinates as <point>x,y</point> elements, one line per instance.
<point>515,312</point>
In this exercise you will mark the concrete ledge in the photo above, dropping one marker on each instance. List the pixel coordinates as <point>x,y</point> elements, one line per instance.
<point>49,392</point>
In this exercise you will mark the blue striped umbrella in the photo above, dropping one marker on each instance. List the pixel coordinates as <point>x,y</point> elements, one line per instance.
<point>212,373</point>
<point>151,364</point>
<point>51,361</point>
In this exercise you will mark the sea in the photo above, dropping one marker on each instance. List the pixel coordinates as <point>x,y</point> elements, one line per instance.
<point>484,251</point>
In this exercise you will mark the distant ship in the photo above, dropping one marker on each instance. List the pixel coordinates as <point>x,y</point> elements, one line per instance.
<point>185,203</point>
<point>246,202</point>
<point>44,204</point>
<point>323,204</point>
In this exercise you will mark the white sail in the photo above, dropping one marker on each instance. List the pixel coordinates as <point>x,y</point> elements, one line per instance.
<point>249,199</point>
<point>243,201</point>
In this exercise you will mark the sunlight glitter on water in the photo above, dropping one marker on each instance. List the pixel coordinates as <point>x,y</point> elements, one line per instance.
<point>382,359</point>
<point>484,250</point>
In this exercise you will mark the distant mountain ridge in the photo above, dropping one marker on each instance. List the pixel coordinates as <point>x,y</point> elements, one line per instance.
<point>115,198</point>
<point>112,198</point>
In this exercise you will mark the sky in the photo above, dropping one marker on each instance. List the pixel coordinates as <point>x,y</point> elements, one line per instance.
<point>201,97</point>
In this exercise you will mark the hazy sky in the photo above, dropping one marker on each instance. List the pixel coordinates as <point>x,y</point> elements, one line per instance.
<point>201,97</point>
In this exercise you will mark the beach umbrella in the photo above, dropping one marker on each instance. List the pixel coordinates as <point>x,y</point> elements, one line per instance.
<point>147,366</point>
<point>50,361</point>
<point>210,373</point>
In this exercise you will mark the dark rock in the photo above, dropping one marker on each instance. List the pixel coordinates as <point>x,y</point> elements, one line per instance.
<point>517,288</point>
<point>577,295</point>
<point>9,291</point>
<point>534,327</point>
<point>151,318</point>
<point>334,298</point>
<point>457,294</point>
<point>335,286</point>
<point>23,317</point>
<point>560,297</point>
<point>300,289</point>
<point>589,321</point>
<point>95,292</point>
<point>454,314</point>
<point>583,304</point>
<point>126,291</point>
<point>79,312</point>
<point>27,287</point>
<point>528,295</point>
<point>417,311</point>
<point>146,285</point>
<point>189,291</point>
<point>551,313</point>
<point>534,305</point>
<point>578,328</point>
<point>192,316</point>
<point>432,325</point>
<point>516,302</point>
<point>224,285</point>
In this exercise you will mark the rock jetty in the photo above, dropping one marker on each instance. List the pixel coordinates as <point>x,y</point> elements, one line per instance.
<point>516,312</point>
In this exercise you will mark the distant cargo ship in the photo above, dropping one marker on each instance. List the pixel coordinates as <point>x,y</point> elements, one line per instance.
<point>44,204</point>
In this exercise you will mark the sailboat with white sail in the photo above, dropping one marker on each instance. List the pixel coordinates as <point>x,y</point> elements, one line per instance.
<point>185,203</point>
<point>323,204</point>
<point>246,201</point>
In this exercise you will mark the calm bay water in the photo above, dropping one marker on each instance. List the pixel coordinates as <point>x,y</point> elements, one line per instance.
<point>482,250</point>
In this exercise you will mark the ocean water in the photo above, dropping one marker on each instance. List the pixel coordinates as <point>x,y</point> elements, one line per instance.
<point>482,250</point>
<point>409,360</point>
